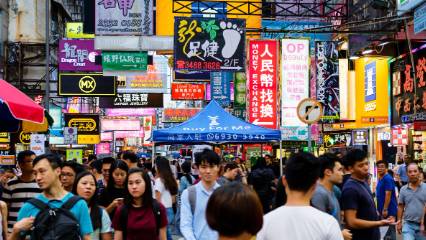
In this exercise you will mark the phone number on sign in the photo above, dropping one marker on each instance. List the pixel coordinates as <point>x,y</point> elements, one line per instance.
<point>197,65</point>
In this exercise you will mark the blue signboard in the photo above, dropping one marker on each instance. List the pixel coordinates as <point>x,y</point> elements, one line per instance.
<point>370,82</point>
<point>404,6</point>
<point>420,18</point>
<point>295,26</point>
<point>209,9</point>
<point>220,87</point>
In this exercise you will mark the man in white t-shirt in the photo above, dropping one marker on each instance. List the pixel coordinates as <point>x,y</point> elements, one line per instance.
<point>297,220</point>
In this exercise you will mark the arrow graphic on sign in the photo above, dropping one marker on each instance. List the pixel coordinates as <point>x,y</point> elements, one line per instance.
<point>231,68</point>
<point>256,121</point>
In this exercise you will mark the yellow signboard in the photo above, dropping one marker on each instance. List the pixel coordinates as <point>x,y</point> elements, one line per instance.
<point>4,137</point>
<point>75,30</point>
<point>88,139</point>
<point>8,160</point>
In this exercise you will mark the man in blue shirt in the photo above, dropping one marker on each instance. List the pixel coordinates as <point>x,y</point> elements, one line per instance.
<point>402,171</point>
<point>193,223</point>
<point>47,171</point>
<point>386,197</point>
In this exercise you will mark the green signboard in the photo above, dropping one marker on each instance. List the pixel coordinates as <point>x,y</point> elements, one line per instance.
<point>124,61</point>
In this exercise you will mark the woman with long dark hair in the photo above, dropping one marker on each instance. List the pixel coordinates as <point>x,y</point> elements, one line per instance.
<point>166,189</point>
<point>140,217</point>
<point>113,195</point>
<point>85,187</point>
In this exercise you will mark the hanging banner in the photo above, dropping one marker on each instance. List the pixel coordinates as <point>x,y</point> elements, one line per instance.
<point>240,90</point>
<point>37,144</point>
<point>124,61</point>
<point>179,115</point>
<point>209,44</point>
<point>295,79</point>
<point>220,87</point>
<point>132,100</point>
<point>80,84</point>
<point>87,127</point>
<point>78,55</point>
<point>263,64</point>
<point>327,62</point>
<point>124,17</point>
<point>188,91</point>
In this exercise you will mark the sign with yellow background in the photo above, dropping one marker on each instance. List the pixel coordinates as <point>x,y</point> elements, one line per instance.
<point>75,30</point>
<point>165,17</point>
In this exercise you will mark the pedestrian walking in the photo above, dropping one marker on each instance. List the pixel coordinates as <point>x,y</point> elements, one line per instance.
<point>231,222</point>
<point>411,205</point>
<point>386,197</point>
<point>324,198</point>
<point>85,187</point>
<point>20,189</point>
<point>106,166</point>
<point>401,173</point>
<point>193,225</point>
<point>69,171</point>
<point>230,173</point>
<point>261,178</point>
<point>71,221</point>
<point>297,220</point>
<point>140,217</point>
<point>113,195</point>
<point>166,189</point>
<point>357,199</point>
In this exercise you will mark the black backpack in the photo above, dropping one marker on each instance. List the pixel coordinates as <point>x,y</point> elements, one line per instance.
<point>55,223</point>
<point>124,217</point>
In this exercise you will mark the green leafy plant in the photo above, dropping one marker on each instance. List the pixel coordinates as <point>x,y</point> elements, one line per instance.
<point>210,27</point>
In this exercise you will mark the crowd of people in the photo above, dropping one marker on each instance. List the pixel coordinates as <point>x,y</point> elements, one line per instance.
<point>209,198</point>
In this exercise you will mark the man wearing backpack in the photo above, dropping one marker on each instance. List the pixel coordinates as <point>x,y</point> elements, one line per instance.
<point>55,213</point>
<point>194,199</point>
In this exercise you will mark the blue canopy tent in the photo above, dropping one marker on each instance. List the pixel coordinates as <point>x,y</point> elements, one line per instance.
<point>214,125</point>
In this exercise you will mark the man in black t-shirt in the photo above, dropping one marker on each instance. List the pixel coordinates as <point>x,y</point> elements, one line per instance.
<point>357,200</point>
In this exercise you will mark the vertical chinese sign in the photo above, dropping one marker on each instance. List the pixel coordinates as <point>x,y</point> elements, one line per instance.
<point>240,95</point>
<point>327,62</point>
<point>262,79</point>
<point>220,87</point>
<point>295,79</point>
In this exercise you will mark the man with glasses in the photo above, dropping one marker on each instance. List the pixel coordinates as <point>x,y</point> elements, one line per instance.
<point>21,188</point>
<point>69,171</point>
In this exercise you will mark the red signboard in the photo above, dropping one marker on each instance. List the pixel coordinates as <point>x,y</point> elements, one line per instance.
<point>179,115</point>
<point>263,66</point>
<point>188,91</point>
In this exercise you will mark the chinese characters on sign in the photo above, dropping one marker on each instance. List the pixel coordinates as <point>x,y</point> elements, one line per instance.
<point>295,78</point>
<point>78,55</point>
<point>127,61</point>
<point>179,115</point>
<point>87,127</point>
<point>328,79</point>
<point>124,17</point>
<point>209,44</point>
<point>370,87</point>
<point>341,139</point>
<point>220,87</point>
<point>263,83</point>
<point>126,100</point>
<point>360,137</point>
<point>188,91</point>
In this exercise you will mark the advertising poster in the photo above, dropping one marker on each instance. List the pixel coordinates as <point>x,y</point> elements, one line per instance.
<point>124,17</point>
<point>78,55</point>
<point>262,80</point>
<point>70,135</point>
<point>188,91</point>
<point>76,154</point>
<point>173,115</point>
<point>103,148</point>
<point>37,143</point>
<point>327,63</point>
<point>220,87</point>
<point>295,79</point>
<point>209,44</point>
<point>370,82</point>
<point>132,100</point>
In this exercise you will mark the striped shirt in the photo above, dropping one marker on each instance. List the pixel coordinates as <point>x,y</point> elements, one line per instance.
<point>15,194</point>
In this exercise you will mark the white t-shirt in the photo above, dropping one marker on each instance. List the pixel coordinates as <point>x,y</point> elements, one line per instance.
<point>166,197</point>
<point>299,223</point>
<point>105,228</point>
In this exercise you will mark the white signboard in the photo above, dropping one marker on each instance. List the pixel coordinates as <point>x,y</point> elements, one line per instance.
<point>124,17</point>
<point>295,78</point>
<point>70,135</point>
<point>309,111</point>
<point>37,143</point>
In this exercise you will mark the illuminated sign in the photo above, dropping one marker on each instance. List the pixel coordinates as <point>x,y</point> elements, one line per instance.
<point>80,84</point>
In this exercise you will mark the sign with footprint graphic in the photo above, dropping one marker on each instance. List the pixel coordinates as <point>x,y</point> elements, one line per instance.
<point>209,44</point>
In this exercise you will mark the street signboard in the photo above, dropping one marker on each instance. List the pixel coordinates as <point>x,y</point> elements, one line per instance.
<point>78,55</point>
<point>80,84</point>
<point>70,135</point>
<point>124,61</point>
<point>420,19</point>
<point>309,111</point>
<point>132,100</point>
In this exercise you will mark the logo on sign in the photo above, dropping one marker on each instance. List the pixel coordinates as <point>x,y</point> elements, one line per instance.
<point>83,124</point>
<point>87,84</point>
<point>25,138</point>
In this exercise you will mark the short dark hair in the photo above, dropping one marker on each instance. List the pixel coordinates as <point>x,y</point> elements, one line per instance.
<point>119,164</point>
<point>207,156</point>
<point>130,155</point>
<point>231,221</point>
<point>382,162</point>
<point>230,166</point>
<point>96,164</point>
<point>53,159</point>
<point>353,156</point>
<point>327,161</point>
<point>75,166</point>
<point>302,171</point>
<point>186,167</point>
<point>91,157</point>
<point>22,155</point>
<point>107,160</point>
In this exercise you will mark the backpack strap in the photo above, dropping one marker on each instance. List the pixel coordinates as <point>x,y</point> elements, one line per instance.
<point>71,202</point>
<point>157,214</point>
<point>192,197</point>
<point>38,204</point>
<point>123,220</point>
